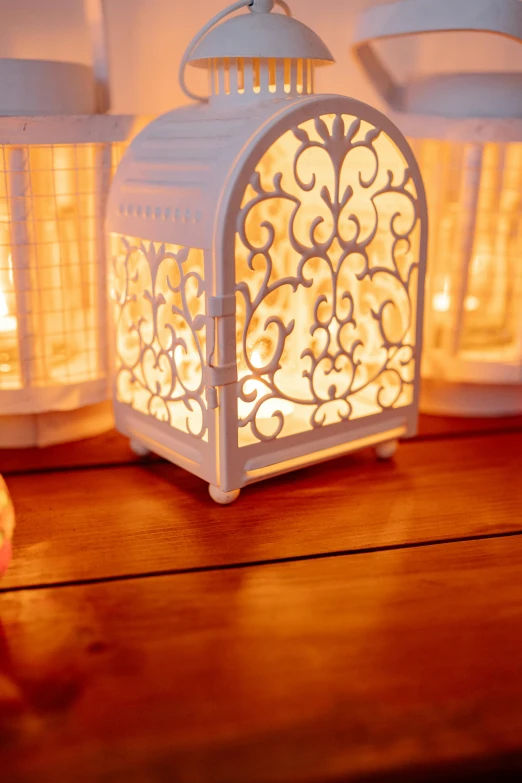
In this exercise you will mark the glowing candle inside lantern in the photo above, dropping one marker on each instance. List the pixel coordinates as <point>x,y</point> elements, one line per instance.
<point>7,321</point>
<point>442,301</point>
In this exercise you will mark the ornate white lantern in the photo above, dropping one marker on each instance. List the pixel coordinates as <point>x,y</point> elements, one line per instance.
<point>466,130</point>
<point>56,161</point>
<point>268,265</point>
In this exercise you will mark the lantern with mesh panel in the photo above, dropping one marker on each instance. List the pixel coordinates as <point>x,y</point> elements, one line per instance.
<point>466,131</point>
<point>58,148</point>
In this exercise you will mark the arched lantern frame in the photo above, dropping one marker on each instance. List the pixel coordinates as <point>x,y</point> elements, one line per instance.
<point>242,465</point>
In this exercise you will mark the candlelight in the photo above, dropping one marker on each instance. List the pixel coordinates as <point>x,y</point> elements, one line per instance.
<point>474,286</point>
<point>7,321</point>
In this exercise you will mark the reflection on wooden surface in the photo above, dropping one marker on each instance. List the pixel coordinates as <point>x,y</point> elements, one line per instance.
<point>352,621</point>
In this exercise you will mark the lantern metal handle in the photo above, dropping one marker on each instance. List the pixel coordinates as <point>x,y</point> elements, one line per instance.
<point>264,7</point>
<point>94,15</point>
<point>410,17</point>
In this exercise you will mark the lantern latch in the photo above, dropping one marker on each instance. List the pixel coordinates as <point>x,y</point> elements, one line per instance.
<point>222,376</point>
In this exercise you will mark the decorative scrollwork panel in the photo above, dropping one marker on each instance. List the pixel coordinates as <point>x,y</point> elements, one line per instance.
<point>159,296</point>
<point>326,252</point>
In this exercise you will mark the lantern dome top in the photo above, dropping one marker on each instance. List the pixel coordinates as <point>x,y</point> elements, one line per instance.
<point>263,35</point>
<point>255,56</point>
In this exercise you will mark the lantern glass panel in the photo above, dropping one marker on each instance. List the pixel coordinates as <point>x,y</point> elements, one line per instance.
<point>159,300</point>
<point>326,269</point>
<point>51,274</point>
<point>474,282</point>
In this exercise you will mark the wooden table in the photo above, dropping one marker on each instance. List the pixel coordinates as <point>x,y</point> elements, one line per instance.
<point>353,621</point>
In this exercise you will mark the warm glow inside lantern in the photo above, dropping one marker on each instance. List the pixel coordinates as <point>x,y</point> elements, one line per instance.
<point>54,178</point>
<point>466,132</point>
<point>268,262</point>
<point>473,356</point>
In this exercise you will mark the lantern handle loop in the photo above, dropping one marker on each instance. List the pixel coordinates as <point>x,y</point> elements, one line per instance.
<point>266,4</point>
<point>411,17</point>
<point>95,17</point>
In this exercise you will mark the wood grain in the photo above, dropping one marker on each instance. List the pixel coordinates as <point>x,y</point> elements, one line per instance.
<point>113,449</point>
<point>445,426</point>
<point>104,450</point>
<point>331,669</point>
<point>93,524</point>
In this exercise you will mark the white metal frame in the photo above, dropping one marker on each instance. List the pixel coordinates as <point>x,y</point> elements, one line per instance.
<point>181,182</point>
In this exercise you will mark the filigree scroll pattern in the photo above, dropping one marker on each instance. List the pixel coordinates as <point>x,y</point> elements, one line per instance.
<point>159,297</point>
<point>326,255</point>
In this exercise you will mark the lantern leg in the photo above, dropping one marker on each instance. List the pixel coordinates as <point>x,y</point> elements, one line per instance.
<point>221,497</point>
<point>387,449</point>
<point>138,448</point>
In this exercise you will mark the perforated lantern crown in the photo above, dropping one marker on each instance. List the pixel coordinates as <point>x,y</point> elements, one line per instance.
<point>268,264</point>
<point>466,130</point>
<point>56,159</point>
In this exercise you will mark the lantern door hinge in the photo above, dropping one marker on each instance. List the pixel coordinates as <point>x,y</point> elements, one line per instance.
<point>225,375</point>
<point>212,398</point>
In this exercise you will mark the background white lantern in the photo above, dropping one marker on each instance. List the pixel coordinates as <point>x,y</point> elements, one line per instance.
<point>56,161</point>
<point>268,265</point>
<point>466,131</point>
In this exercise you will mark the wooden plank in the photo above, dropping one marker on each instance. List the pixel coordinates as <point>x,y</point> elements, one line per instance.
<point>391,662</point>
<point>138,519</point>
<point>110,448</point>
<point>444,426</point>
<point>113,449</point>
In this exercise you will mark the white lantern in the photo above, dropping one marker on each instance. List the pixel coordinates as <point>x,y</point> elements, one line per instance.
<point>466,130</point>
<point>56,161</point>
<point>268,264</point>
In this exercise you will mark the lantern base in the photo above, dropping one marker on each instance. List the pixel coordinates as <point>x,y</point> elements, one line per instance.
<point>387,449</point>
<point>469,400</point>
<point>49,429</point>
<point>223,498</point>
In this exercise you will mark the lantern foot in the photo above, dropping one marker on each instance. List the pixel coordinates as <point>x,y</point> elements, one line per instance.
<point>221,497</point>
<point>138,448</point>
<point>387,449</point>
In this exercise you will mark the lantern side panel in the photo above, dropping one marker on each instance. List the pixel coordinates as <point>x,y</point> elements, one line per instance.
<point>158,291</point>
<point>326,253</point>
<point>52,200</point>
<point>473,317</point>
